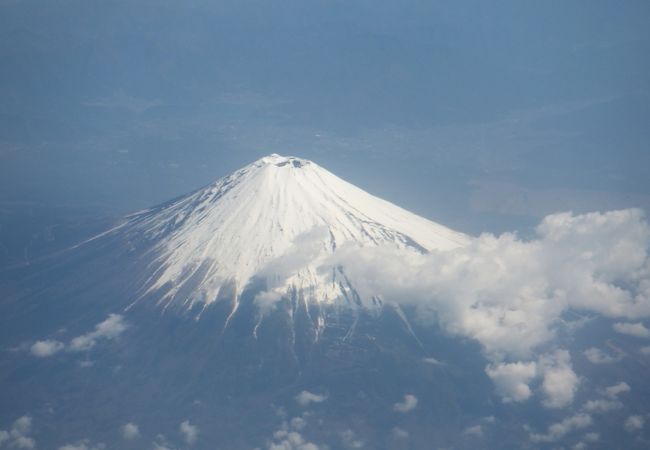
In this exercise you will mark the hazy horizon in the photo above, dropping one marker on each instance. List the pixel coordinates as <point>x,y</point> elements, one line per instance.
<point>480,117</point>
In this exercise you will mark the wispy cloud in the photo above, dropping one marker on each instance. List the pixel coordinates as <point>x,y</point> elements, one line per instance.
<point>597,356</point>
<point>130,431</point>
<point>349,439</point>
<point>110,328</point>
<point>121,100</point>
<point>409,403</point>
<point>558,430</point>
<point>617,389</point>
<point>476,430</point>
<point>190,432</point>
<point>601,405</point>
<point>84,444</point>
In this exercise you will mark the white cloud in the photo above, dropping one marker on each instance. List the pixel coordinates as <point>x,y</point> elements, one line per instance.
<point>634,423</point>
<point>597,356</point>
<point>190,432</point>
<point>645,350</point>
<point>434,361</point>
<point>23,442</point>
<point>305,249</point>
<point>509,294</point>
<point>46,348</point>
<point>306,397</point>
<point>632,329</point>
<point>110,328</point>
<point>560,381</point>
<point>592,437</point>
<point>400,433</point>
<point>161,443</point>
<point>130,431</point>
<point>615,390</point>
<point>84,444</point>
<point>161,446</point>
<point>298,423</point>
<point>601,406</point>
<point>476,430</point>
<point>18,435</point>
<point>408,404</point>
<point>350,440</point>
<point>511,380</point>
<point>558,430</point>
<point>289,437</point>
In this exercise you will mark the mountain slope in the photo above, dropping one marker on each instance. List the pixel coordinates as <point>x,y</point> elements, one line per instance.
<point>278,218</point>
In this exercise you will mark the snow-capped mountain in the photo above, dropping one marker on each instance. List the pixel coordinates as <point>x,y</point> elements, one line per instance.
<point>234,318</point>
<point>279,219</point>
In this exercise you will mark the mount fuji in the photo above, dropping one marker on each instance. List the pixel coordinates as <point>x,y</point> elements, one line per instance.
<point>280,219</point>
<point>222,307</point>
<point>225,319</point>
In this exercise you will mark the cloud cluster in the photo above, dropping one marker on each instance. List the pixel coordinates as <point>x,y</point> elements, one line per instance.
<point>559,382</point>
<point>560,429</point>
<point>511,295</point>
<point>108,329</point>
<point>409,403</point>
<point>289,437</point>
<point>18,436</point>
<point>584,419</point>
<point>508,293</point>
<point>588,438</point>
<point>511,380</point>
<point>610,402</point>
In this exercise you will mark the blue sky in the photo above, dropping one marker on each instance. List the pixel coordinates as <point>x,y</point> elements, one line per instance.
<point>478,116</point>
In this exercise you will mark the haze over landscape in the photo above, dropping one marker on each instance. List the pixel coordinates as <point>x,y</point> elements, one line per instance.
<point>324,225</point>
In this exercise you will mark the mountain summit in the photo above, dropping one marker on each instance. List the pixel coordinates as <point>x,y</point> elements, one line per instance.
<point>279,218</point>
